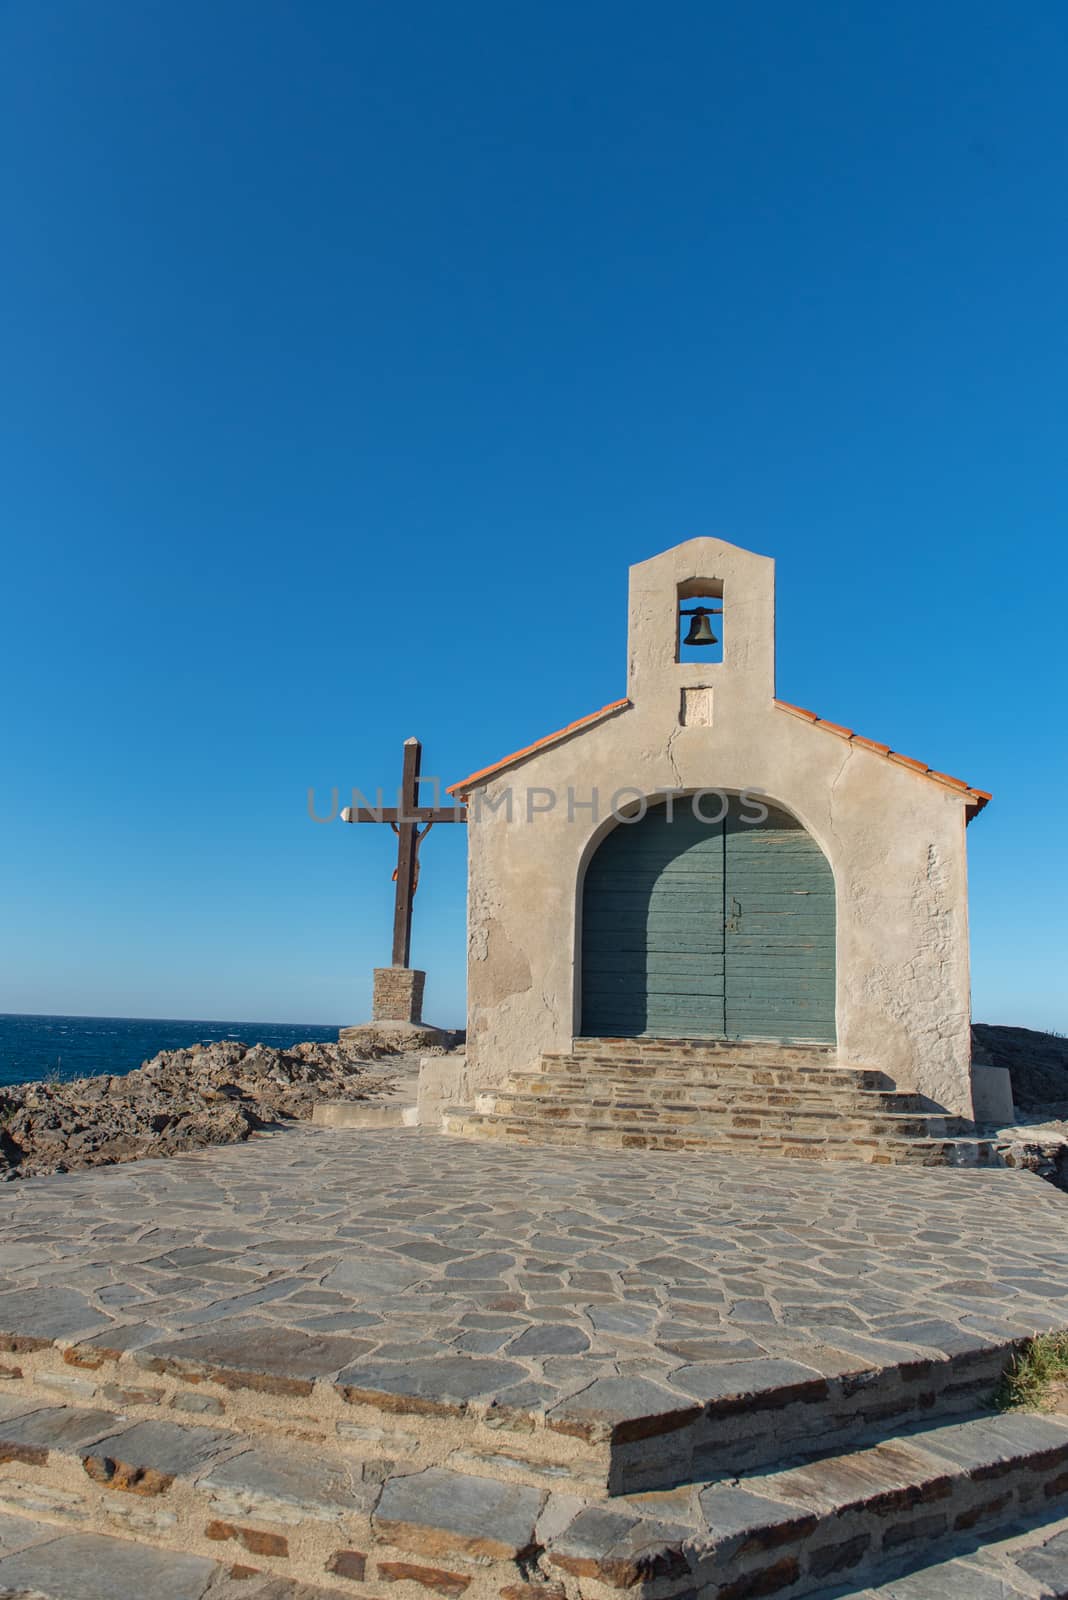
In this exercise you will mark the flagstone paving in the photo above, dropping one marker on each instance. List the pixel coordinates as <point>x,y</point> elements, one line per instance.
<point>409,1263</point>
<point>345,1358</point>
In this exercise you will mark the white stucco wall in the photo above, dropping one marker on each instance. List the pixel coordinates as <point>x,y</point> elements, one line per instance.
<point>894,840</point>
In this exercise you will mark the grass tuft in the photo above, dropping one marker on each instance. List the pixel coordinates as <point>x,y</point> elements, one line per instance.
<point>1029,1381</point>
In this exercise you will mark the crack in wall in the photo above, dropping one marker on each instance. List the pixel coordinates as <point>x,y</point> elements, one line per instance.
<point>839,775</point>
<point>670,753</point>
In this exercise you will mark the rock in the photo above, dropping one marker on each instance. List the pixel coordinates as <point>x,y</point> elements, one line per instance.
<point>449,1584</point>
<point>261,1482</point>
<point>146,1458</point>
<point>1046,1565</point>
<point>552,1338</point>
<point>622,1409</point>
<point>239,1357</point>
<point>92,1566</point>
<point>28,1438</point>
<point>1038,1148</point>
<point>620,1550</point>
<point>187,1099</point>
<point>32,1318</point>
<point>438,1512</point>
<point>1037,1064</point>
<point>437,1386</point>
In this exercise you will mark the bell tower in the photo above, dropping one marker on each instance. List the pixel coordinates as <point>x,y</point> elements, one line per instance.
<point>702,618</point>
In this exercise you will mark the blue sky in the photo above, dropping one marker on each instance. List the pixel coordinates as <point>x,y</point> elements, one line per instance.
<point>353,352</point>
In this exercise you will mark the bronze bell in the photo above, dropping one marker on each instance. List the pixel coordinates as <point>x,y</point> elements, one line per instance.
<point>700,629</point>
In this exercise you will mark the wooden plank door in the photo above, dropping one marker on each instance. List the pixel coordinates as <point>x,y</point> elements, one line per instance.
<point>779,938</point>
<point>652,929</point>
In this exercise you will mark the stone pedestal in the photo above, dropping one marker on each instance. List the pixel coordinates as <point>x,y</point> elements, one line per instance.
<point>398,995</point>
<point>397,1015</point>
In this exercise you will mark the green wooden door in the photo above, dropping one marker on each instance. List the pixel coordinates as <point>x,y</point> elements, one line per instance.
<point>779,931</point>
<point>652,929</point>
<point>708,930</point>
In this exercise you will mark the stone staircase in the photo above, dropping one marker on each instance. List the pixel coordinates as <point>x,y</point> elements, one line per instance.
<point>107,1489</point>
<point>772,1100</point>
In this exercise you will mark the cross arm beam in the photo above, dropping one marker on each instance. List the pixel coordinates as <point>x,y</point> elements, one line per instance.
<point>412,814</point>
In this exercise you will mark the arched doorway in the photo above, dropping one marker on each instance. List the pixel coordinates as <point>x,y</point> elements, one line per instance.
<point>701,929</point>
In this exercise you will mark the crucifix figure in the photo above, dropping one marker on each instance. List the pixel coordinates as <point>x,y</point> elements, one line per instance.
<point>411,822</point>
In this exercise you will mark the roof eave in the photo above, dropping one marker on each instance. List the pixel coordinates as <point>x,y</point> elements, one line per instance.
<point>486,774</point>
<point>974,799</point>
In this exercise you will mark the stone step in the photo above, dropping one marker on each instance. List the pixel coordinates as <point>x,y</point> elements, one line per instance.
<point>718,1091</point>
<point>750,1055</point>
<point>182,1497</point>
<point>285,1390</point>
<point>881,1149</point>
<point>545,1110</point>
<point>697,1097</point>
<point>720,1410</point>
<point>198,1494</point>
<point>668,1071</point>
<point>1022,1562</point>
<point>45,1561</point>
<point>900,1506</point>
<point>362,1114</point>
<point>740,1049</point>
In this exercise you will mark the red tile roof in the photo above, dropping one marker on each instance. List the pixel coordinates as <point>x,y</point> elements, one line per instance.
<point>976,798</point>
<point>484,774</point>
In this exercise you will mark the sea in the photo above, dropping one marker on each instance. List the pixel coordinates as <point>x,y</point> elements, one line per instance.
<point>32,1048</point>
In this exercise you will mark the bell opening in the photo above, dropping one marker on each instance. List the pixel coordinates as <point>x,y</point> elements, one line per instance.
<point>699,635</point>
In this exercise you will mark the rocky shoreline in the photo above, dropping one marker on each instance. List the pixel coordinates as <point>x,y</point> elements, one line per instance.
<point>219,1093</point>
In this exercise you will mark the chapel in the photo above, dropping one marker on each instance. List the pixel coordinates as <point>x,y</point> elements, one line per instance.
<point>704,870</point>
